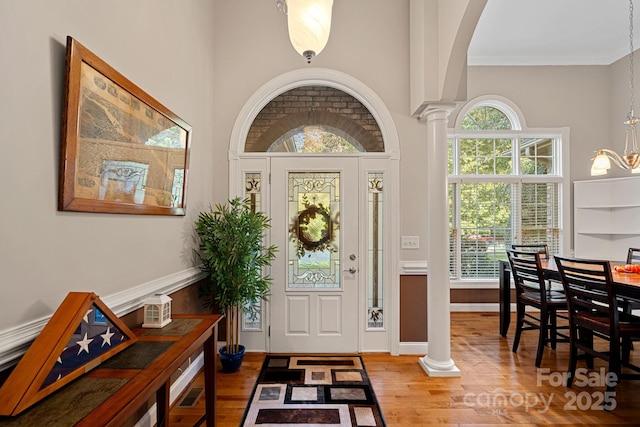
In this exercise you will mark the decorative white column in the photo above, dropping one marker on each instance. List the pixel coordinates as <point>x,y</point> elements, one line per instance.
<point>438,362</point>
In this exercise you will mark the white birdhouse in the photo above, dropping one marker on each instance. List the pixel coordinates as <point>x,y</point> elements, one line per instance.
<point>157,311</point>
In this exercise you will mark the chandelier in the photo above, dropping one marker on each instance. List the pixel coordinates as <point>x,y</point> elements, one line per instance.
<point>309,24</point>
<point>631,157</point>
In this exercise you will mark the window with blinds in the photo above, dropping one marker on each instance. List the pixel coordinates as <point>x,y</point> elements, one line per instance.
<point>504,188</point>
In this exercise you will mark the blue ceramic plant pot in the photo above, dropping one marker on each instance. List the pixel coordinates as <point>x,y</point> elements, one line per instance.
<point>231,361</point>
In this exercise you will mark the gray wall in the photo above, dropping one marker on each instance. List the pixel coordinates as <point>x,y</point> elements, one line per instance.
<point>163,46</point>
<point>203,59</point>
<point>575,96</point>
<point>593,101</point>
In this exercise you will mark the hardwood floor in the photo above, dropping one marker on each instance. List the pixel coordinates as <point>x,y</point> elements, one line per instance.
<point>496,386</point>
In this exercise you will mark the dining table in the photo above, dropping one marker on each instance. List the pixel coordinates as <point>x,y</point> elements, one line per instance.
<point>627,286</point>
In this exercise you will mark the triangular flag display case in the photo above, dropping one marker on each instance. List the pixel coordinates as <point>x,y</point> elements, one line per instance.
<point>81,334</point>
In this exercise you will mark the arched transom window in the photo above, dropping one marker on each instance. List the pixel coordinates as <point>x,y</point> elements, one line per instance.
<point>314,119</point>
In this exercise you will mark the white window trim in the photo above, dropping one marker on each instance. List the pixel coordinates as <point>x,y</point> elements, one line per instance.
<point>562,137</point>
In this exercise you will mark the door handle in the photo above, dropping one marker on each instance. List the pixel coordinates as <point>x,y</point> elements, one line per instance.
<point>352,270</point>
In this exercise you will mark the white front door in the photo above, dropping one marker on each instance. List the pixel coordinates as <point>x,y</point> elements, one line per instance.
<point>316,281</point>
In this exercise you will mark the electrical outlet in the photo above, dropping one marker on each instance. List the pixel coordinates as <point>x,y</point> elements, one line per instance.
<point>410,242</point>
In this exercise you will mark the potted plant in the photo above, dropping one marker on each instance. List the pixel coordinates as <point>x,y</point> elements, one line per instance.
<point>232,254</point>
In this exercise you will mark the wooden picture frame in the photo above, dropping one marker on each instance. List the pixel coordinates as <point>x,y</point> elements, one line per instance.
<point>122,151</point>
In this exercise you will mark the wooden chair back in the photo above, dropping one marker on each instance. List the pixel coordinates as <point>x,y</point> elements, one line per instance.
<point>527,272</point>
<point>633,256</point>
<point>541,248</point>
<point>588,286</point>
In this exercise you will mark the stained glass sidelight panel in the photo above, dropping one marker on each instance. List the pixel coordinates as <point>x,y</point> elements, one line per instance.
<point>252,313</point>
<point>375,319</point>
<point>253,189</point>
<point>314,243</point>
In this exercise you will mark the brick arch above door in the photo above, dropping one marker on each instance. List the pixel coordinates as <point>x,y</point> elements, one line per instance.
<point>314,105</point>
<point>315,77</point>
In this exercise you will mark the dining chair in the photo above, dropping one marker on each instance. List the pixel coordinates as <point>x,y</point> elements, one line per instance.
<point>594,313</point>
<point>633,256</point>
<point>553,280</point>
<point>541,248</point>
<point>532,291</point>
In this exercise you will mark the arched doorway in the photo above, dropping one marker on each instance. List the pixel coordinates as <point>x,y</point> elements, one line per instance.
<point>335,279</point>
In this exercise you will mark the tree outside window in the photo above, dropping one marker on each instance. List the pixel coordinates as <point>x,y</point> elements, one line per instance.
<point>504,188</point>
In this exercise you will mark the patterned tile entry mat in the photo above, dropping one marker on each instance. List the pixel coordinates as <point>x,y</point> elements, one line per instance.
<point>313,391</point>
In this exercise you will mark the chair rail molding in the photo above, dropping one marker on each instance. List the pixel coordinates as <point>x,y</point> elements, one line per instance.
<point>413,267</point>
<point>15,341</point>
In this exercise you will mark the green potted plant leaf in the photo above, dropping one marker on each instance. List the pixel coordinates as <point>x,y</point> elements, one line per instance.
<point>233,255</point>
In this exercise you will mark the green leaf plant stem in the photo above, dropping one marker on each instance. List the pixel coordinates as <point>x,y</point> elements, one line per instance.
<point>233,255</point>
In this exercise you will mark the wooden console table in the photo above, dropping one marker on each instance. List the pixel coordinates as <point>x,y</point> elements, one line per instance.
<point>113,392</point>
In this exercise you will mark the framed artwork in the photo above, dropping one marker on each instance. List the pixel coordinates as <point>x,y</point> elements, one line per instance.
<point>122,151</point>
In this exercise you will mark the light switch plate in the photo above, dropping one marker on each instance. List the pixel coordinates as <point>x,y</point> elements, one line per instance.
<point>410,242</point>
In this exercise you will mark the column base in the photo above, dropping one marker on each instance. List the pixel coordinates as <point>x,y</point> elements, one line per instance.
<point>439,369</point>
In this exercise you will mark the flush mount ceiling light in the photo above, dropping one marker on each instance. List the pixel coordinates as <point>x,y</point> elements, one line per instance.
<point>631,157</point>
<point>309,23</point>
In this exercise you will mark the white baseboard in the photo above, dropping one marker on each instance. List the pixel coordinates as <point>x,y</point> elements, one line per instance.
<point>478,307</point>
<point>414,348</point>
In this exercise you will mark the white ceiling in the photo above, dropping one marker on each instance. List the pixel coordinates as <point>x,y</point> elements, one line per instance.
<point>553,32</point>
